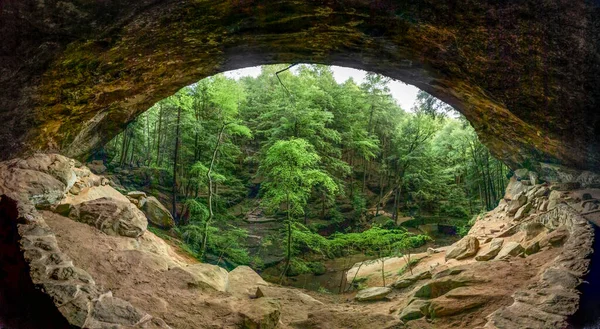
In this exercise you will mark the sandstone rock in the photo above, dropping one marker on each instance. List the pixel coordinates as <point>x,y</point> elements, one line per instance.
<point>457,301</point>
<point>448,272</point>
<point>523,211</point>
<point>532,248</point>
<point>203,276</point>
<point>415,310</point>
<point>409,281</point>
<point>544,206</point>
<point>440,287</point>
<point>244,281</point>
<point>521,174</point>
<point>532,229</point>
<point>286,294</point>
<point>141,202</point>
<point>492,251</point>
<point>263,313</point>
<point>565,186</point>
<point>541,192</point>
<point>43,179</point>
<point>555,238</point>
<point>466,247</point>
<point>372,294</point>
<point>97,166</point>
<point>157,214</point>
<point>554,199</point>
<point>519,201</point>
<point>116,311</point>
<point>510,249</point>
<point>554,300</point>
<point>111,216</point>
<point>136,194</point>
<point>559,277</point>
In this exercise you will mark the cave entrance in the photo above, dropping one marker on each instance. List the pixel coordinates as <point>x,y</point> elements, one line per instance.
<point>398,159</point>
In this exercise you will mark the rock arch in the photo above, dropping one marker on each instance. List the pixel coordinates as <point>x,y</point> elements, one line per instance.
<point>524,74</point>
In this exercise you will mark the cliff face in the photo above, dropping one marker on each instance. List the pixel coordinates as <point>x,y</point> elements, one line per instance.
<point>73,74</point>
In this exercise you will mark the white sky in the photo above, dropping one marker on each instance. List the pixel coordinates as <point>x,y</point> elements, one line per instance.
<point>403,93</point>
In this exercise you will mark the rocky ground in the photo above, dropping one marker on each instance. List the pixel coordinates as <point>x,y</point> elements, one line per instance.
<point>88,248</point>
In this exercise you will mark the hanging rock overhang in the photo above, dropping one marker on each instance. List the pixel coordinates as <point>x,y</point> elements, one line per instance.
<point>525,73</point>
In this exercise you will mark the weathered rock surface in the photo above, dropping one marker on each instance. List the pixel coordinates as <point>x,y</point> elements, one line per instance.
<point>492,250</point>
<point>157,214</point>
<point>556,123</point>
<point>466,247</point>
<point>510,249</point>
<point>111,216</point>
<point>244,281</point>
<point>203,276</point>
<point>372,294</point>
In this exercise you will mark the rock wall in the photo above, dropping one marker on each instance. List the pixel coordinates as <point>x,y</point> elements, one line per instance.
<point>549,302</point>
<point>524,73</point>
<point>72,289</point>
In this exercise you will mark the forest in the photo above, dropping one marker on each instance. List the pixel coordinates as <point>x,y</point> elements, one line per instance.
<point>341,167</point>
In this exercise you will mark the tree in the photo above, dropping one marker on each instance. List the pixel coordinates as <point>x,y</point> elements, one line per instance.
<point>290,171</point>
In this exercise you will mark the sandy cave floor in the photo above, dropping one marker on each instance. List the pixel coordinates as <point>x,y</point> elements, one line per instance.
<point>137,271</point>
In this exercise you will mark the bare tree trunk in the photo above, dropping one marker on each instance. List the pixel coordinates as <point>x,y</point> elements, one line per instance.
<point>160,119</point>
<point>174,206</point>
<point>210,190</point>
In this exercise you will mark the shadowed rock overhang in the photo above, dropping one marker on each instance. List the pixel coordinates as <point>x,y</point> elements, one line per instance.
<point>525,73</point>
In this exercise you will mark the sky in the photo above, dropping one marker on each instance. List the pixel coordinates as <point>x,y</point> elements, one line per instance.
<point>403,93</point>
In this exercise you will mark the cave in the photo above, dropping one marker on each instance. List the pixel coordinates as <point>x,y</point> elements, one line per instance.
<point>75,74</point>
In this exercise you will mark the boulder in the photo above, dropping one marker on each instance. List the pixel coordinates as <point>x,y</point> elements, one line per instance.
<point>136,194</point>
<point>262,313</point>
<point>157,214</point>
<point>532,229</point>
<point>97,166</point>
<point>510,249</point>
<point>492,251</point>
<point>201,276</point>
<point>457,301</point>
<point>442,286</point>
<point>372,294</point>
<point>555,238</point>
<point>417,309</point>
<point>523,211</point>
<point>281,293</point>
<point>519,201</point>
<point>111,216</point>
<point>554,199</point>
<point>43,179</point>
<point>409,281</point>
<point>521,174</point>
<point>116,311</point>
<point>532,248</point>
<point>466,247</point>
<point>244,281</point>
<point>542,191</point>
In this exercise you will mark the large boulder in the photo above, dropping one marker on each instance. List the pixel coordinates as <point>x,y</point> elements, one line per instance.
<point>510,249</point>
<point>523,211</point>
<point>42,179</point>
<point>493,250</point>
<point>262,313</point>
<point>519,201</point>
<point>111,216</point>
<point>200,276</point>
<point>465,248</point>
<point>244,281</point>
<point>372,294</point>
<point>157,214</point>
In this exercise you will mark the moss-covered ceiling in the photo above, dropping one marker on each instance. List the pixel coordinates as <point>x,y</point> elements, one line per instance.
<point>525,73</point>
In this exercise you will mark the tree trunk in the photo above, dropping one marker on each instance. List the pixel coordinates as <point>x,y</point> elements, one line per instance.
<point>210,190</point>
<point>174,206</point>
<point>160,119</point>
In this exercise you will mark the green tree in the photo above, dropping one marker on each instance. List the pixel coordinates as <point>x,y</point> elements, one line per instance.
<point>290,171</point>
